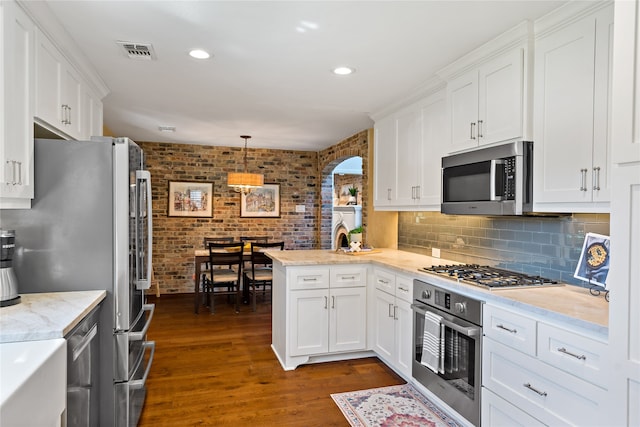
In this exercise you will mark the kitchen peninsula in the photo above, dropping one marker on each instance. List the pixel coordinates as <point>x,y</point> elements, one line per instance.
<point>323,271</point>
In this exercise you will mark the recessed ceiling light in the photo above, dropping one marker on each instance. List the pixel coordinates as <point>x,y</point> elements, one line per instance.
<point>199,54</point>
<point>343,71</point>
<point>167,129</point>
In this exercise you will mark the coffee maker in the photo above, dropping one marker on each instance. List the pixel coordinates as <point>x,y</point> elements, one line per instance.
<point>8,282</point>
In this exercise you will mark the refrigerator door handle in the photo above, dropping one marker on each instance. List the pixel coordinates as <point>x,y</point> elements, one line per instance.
<point>138,336</point>
<point>145,282</point>
<point>138,384</point>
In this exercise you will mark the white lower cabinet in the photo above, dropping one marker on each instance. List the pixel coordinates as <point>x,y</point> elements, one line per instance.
<point>547,375</point>
<point>327,310</point>
<point>392,319</point>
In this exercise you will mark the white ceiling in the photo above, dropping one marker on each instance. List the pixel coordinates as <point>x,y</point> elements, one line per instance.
<point>270,74</point>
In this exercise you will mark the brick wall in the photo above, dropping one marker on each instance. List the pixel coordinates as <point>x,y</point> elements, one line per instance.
<point>176,238</point>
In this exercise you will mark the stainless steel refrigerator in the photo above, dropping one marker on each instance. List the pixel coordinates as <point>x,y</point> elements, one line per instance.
<point>90,228</point>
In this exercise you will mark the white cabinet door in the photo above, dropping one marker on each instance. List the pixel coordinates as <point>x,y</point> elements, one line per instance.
<point>462,95</point>
<point>384,325</point>
<point>571,115</point>
<point>624,282</point>
<point>49,76</point>
<point>71,98</point>
<point>500,111</point>
<point>626,82</point>
<point>409,149</point>
<point>309,317</point>
<point>497,412</point>
<point>384,162</point>
<point>92,115</point>
<point>16,121</point>
<point>434,146</point>
<point>348,319</point>
<point>403,336</point>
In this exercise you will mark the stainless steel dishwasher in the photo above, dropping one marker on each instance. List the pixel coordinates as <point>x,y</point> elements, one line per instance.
<point>83,359</point>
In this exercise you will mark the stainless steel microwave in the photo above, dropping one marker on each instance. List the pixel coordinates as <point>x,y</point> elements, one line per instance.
<point>494,180</point>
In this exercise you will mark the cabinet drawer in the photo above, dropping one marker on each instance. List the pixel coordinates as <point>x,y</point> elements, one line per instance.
<point>349,276</point>
<point>510,328</point>
<point>404,288</point>
<point>553,396</point>
<point>309,278</point>
<point>385,281</point>
<point>497,412</point>
<point>577,354</point>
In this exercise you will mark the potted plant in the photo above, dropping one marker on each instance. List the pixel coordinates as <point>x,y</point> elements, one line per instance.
<point>355,235</point>
<point>353,192</point>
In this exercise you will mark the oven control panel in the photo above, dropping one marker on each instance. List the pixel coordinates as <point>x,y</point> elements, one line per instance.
<point>448,301</point>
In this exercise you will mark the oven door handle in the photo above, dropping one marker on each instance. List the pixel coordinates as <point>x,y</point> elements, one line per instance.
<point>469,331</point>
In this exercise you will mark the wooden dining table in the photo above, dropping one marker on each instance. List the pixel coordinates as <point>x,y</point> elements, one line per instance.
<point>201,256</point>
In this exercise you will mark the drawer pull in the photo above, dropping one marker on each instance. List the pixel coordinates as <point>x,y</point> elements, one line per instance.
<point>348,277</point>
<point>513,331</point>
<point>568,353</point>
<point>384,282</point>
<point>530,387</point>
<point>313,279</point>
<point>403,289</point>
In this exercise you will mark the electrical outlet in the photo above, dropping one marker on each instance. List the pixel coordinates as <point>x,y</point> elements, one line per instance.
<point>435,252</point>
<point>300,208</point>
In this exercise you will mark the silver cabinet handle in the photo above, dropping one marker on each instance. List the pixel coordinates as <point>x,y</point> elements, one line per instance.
<point>530,387</point>
<point>472,136</point>
<point>417,192</point>
<point>326,301</point>
<point>596,176</point>
<point>20,173</point>
<point>348,277</point>
<point>395,312</point>
<point>568,353</point>
<point>313,279</point>
<point>583,179</point>
<point>513,331</point>
<point>400,288</point>
<point>388,194</point>
<point>333,301</point>
<point>413,193</point>
<point>480,135</point>
<point>384,282</point>
<point>389,312</point>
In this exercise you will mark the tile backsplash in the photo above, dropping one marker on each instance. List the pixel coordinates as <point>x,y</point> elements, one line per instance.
<point>545,246</point>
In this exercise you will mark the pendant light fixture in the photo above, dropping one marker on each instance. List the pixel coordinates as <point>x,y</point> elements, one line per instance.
<point>243,181</point>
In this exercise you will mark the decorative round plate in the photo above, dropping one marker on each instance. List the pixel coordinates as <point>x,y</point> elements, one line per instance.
<point>596,255</point>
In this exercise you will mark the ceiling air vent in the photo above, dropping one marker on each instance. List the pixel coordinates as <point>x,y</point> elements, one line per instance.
<point>138,50</point>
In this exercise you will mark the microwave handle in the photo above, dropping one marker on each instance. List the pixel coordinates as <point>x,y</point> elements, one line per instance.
<point>494,168</point>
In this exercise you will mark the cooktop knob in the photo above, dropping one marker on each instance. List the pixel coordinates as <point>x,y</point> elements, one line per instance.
<point>426,294</point>
<point>461,307</point>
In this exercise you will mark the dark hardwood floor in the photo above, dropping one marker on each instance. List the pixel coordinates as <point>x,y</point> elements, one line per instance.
<point>220,370</point>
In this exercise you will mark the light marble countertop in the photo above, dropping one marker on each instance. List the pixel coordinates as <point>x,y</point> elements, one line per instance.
<point>44,316</point>
<point>572,305</point>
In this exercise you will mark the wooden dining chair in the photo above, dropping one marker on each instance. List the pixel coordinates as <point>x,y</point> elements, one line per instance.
<point>260,273</point>
<point>206,241</point>
<point>224,273</point>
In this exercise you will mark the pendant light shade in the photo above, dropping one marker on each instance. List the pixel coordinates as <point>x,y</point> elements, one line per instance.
<point>243,181</point>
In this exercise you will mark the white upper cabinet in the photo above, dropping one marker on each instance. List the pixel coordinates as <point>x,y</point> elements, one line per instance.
<point>408,148</point>
<point>384,158</point>
<point>486,104</point>
<point>58,90</point>
<point>571,113</point>
<point>17,97</point>
<point>626,83</point>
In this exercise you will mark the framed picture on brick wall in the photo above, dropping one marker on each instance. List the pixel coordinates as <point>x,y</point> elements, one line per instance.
<point>263,202</point>
<point>190,199</point>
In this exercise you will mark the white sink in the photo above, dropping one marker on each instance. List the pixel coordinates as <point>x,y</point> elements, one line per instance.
<point>34,382</point>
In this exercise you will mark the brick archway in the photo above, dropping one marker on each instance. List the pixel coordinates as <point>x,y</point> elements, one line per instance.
<point>356,145</point>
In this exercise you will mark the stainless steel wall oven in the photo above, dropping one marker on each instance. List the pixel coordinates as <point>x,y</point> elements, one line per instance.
<point>447,347</point>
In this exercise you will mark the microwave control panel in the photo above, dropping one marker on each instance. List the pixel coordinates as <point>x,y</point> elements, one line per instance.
<point>509,178</point>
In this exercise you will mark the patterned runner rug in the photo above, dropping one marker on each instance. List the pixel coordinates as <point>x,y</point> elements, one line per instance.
<point>400,405</point>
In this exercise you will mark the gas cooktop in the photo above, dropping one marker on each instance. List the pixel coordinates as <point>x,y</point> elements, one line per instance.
<point>489,277</point>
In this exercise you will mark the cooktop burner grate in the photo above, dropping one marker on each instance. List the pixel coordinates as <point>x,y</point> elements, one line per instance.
<point>490,277</point>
